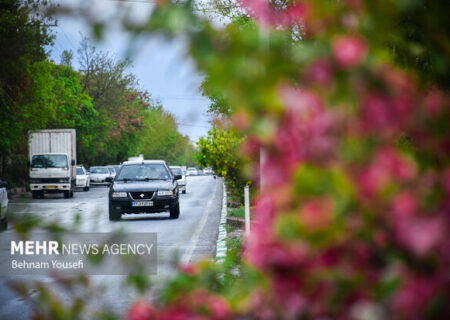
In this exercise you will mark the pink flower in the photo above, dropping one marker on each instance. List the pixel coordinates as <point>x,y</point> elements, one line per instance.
<point>419,235</point>
<point>264,13</point>
<point>404,205</point>
<point>377,113</point>
<point>306,133</point>
<point>219,308</point>
<point>387,166</point>
<point>413,297</point>
<point>140,310</point>
<point>349,51</point>
<point>317,213</point>
<point>433,101</point>
<point>320,72</point>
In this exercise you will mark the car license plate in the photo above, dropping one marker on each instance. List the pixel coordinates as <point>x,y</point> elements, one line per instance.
<point>142,204</point>
<point>50,187</point>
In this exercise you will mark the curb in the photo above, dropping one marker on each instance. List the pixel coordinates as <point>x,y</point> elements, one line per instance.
<point>221,250</point>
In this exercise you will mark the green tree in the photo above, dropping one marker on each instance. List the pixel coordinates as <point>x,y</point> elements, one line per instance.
<point>161,139</point>
<point>23,38</point>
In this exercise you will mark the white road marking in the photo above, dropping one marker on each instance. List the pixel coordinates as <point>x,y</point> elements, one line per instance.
<point>194,239</point>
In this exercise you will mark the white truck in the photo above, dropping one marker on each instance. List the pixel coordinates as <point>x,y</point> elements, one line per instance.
<point>52,161</point>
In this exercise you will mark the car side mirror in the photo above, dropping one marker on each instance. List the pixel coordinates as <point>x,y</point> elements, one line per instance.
<point>109,179</point>
<point>178,177</point>
<point>72,162</point>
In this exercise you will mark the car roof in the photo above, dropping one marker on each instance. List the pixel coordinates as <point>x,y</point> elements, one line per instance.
<point>144,161</point>
<point>175,167</point>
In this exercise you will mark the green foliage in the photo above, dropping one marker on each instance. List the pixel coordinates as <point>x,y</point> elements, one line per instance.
<point>23,42</point>
<point>219,150</point>
<point>161,139</point>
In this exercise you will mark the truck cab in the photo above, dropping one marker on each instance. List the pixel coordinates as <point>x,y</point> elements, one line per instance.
<point>52,162</point>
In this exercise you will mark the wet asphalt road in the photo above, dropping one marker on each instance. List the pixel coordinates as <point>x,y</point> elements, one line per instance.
<point>189,238</point>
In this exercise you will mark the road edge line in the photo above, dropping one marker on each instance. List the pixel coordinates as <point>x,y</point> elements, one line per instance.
<point>194,239</point>
<point>221,246</point>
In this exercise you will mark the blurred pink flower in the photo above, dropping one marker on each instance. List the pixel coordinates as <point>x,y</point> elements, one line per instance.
<point>404,205</point>
<point>419,235</point>
<point>433,101</point>
<point>387,166</point>
<point>140,310</point>
<point>320,72</point>
<point>317,213</point>
<point>306,133</point>
<point>413,297</point>
<point>263,12</point>
<point>349,51</point>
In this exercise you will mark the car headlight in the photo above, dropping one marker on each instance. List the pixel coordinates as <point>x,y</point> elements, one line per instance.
<point>165,193</point>
<point>119,194</point>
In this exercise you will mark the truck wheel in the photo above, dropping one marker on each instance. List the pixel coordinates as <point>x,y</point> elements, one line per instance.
<point>3,224</point>
<point>114,215</point>
<point>175,211</point>
<point>66,194</point>
<point>86,189</point>
<point>35,194</point>
<point>71,193</point>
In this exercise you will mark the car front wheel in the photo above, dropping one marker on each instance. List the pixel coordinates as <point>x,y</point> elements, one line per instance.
<point>175,211</point>
<point>114,214</point>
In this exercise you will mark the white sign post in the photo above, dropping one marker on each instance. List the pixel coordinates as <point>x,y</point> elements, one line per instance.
<point>247,210</point>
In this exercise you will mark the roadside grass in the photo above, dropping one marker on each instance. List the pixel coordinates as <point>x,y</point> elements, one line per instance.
<point>237,212</point>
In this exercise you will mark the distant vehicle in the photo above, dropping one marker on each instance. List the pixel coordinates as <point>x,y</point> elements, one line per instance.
<point>146,186</point>
<point>52,159</point>
<point>191,171</point>
<point>83,179</point>
<point>112,171</point>
<point>208,171</point>
<point>138,158</point>
<point>3,205</point>
<point>176,170</point>
<point>98,175</point>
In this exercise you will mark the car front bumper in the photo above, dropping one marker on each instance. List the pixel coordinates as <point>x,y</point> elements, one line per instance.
<point>50,187</point>
<point>159,205</point>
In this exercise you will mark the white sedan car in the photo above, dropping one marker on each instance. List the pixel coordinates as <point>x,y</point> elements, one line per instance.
<point>3,205</point>
<point>99,174</point>
<point>181,182</point>
<point>83,180</point>
<point>191,171</point>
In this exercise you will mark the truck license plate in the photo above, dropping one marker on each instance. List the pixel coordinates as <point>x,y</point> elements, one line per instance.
<point>50,187</point>
<point>142,204</point>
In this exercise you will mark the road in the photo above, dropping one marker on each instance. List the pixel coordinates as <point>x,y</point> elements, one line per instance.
<point>189,238</point>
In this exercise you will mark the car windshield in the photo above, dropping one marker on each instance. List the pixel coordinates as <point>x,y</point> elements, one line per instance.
<point>145,171</point>
<point>177,171</point>
<point>99,170</point>
<point>49,161</point>
<point>80,171</point>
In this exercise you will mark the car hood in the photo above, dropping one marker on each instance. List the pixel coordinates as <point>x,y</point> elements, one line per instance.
<point>101,175</point>
<point>142,185</point>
